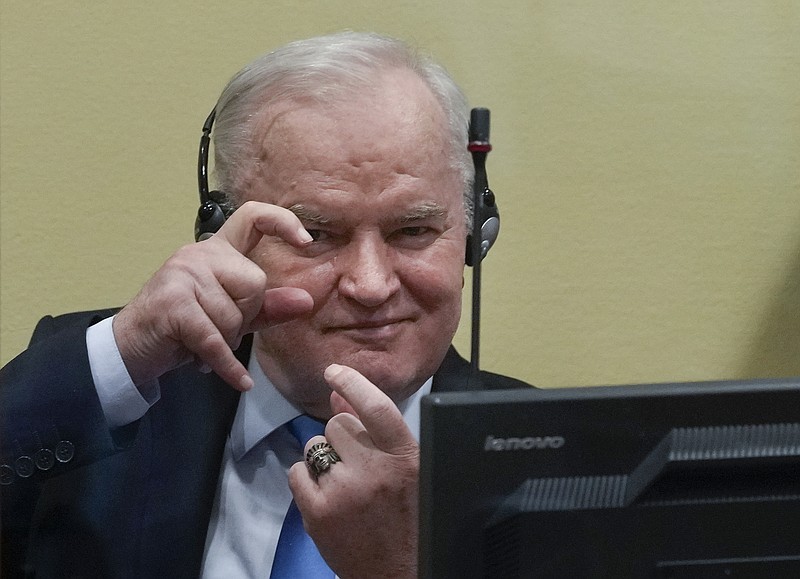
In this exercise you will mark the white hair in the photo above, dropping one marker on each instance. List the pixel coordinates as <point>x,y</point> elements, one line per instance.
<point>319,70</point>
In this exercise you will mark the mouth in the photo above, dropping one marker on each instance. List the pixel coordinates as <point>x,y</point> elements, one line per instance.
<point>370,330</point>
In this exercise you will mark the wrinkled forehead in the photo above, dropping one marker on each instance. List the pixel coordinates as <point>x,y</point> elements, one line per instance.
<point>369,136</point>
<point>392,104</point>
<point>398,119</point>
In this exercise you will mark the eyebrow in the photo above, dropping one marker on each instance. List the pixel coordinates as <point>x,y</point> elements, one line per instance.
<point>424,211</point>
<point>308,215</point>
<point>419,212</point>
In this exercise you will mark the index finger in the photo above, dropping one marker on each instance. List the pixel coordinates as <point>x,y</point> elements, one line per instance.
<point>253,220</point>
<point>379,415</point>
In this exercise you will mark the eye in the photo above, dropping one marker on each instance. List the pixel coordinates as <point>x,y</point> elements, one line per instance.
<point>414,236</point>
<point>413,231</point>
<point>317,234</point>
<point>322,241</point>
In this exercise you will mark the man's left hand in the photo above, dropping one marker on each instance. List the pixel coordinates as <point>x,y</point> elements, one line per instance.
<point>362,512</point>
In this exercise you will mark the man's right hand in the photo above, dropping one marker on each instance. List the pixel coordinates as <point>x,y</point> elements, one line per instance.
<point>207,296</point>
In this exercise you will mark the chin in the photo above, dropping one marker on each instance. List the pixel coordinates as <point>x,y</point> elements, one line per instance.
<point>397,378</point>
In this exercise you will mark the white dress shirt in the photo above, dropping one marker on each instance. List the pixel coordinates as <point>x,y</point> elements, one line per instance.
<point>252,491</point>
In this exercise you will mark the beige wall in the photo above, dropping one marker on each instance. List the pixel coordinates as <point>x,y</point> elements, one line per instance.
<point>647,163</point>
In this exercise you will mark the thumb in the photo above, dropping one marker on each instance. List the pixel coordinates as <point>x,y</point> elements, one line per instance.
<point>281,305</point>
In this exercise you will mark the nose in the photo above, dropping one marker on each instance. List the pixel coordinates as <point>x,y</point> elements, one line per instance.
<point>367,272</point>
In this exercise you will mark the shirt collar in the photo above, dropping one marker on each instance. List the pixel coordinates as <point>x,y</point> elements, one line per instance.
<point>263,409</point>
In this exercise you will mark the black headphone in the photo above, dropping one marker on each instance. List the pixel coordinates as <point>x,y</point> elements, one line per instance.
<point>215,208</point>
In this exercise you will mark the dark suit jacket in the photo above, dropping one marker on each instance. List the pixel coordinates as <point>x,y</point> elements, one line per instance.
<point>133,502</point>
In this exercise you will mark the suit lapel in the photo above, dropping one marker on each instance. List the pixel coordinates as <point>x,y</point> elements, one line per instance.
<point>189,428</point>
<point>454,374</point>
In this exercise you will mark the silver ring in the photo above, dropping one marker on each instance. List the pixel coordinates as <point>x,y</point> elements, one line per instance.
<point>320,457</point>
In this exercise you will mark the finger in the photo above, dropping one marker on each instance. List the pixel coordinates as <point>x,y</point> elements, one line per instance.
<point>228,286</point>
<point>377,412</point>
<point>202,338</point>
<point>242,284</point>
<point>253,220</point>
<point>305,490</point>
<point>312,441</point>
<point>240,279</point>
<point>229,314</point>
<point>280,305</point>
<point>341,406</point>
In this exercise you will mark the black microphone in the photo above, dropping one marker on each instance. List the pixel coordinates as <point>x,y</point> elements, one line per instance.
<point>479,124</point>
<point>485,220</point>
<point>486,217</point>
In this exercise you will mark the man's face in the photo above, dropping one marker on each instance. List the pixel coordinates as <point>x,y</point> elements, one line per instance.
<point>371,181</point>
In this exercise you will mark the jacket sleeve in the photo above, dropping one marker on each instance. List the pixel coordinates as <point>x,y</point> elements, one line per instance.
<point>51,421</point>
<point>50,416</point>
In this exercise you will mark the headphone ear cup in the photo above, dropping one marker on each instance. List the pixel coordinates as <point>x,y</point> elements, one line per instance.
<point>488,216</point>
<point>210,217</point>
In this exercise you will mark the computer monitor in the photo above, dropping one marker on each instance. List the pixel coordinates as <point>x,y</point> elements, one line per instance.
<point>661,480</point>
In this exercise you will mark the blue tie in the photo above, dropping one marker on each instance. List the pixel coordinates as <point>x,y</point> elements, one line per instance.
<point>296,556</point>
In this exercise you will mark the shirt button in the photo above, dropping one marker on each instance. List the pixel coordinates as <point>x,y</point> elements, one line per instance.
<point>65,450</point>
<point>24,466</point>
<point>6,474</point>
<point>45,459</point>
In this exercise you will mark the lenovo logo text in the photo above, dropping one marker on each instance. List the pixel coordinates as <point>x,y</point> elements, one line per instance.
<point>527,443</point>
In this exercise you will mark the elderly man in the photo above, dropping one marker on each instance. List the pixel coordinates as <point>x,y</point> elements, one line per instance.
<point>333,291</point>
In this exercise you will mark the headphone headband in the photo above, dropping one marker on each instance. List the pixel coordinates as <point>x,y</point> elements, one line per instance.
<point>202,159</point>
<point>210,215</point>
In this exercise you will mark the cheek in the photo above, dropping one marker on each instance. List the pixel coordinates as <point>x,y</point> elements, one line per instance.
<point>436,284</point>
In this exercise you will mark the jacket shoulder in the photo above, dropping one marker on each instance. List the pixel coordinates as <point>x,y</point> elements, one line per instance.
<point>50,325</point>
<point>455,375</point>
